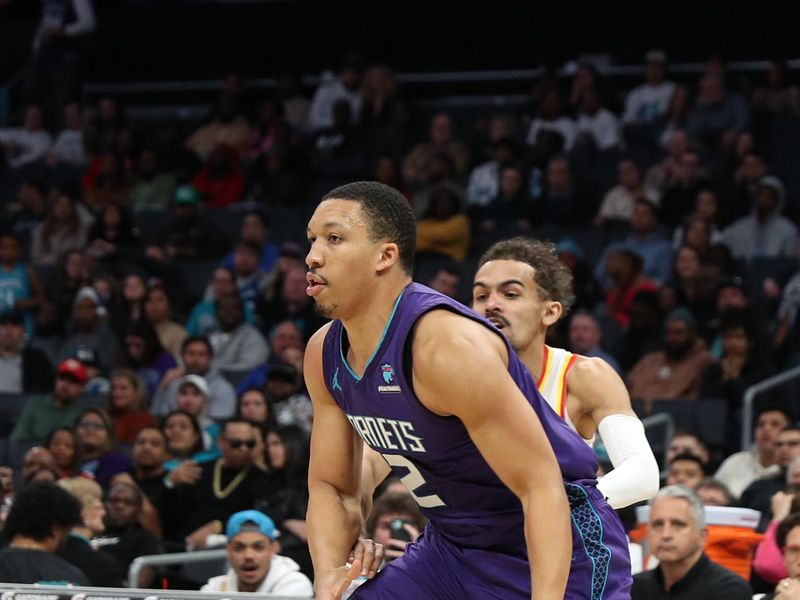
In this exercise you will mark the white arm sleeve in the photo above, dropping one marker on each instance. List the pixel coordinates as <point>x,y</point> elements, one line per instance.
<point>635,475</point>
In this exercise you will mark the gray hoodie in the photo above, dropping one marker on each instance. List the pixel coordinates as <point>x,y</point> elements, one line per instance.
<point>776,236</point>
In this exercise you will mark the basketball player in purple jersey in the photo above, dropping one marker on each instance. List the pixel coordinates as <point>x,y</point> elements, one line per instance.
<point>437,391</point>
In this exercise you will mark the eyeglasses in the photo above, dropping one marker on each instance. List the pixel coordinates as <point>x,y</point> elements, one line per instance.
<point>236,444</point>
<point>90,425</point>
<point>793,550</point>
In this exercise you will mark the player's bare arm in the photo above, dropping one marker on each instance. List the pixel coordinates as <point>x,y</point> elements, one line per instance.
<point>374,469</point>
<point>460,369</point>
<point>605,406</point>
<point>334,512</point>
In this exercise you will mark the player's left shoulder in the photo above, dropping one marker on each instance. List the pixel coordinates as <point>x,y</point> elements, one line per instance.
<point>596,385</point>
<point>590,369</point>
<point>443,330</point>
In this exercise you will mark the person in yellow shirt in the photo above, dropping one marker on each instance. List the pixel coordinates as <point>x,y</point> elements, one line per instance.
<point>445,228</point>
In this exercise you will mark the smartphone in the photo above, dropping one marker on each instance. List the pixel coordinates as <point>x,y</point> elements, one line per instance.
<point>398,531</point>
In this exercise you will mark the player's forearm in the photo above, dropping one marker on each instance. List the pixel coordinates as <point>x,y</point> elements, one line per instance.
<point>635,476</point>
<point>333,525</point>
<point>548,535</point>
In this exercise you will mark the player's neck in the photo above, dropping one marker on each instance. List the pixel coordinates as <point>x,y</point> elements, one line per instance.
<point>533,357</point>
<point>366,327</point>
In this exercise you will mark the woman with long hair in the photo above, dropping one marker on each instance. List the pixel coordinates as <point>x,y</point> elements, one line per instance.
<point>126,405</point>
<point>64,445</point>
<point>158,310</point>
<point>61,232</point>
<point>287,459</point>
<point>145,355</point>
<point>129,308</point>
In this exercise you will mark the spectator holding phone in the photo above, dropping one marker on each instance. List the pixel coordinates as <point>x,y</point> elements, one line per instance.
<point>395,521</point>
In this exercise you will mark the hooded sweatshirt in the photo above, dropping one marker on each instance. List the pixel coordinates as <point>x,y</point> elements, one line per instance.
<point>283,577</point>
<point>750,238</point>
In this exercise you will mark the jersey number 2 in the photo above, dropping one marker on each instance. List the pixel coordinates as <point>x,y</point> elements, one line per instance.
<point>413,481</point>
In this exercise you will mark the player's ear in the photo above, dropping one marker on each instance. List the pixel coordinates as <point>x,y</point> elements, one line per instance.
<point>390,254</point>
<point>552,313</point>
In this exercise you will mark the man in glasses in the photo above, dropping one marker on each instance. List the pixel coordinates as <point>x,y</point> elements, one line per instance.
<point>42,414</point>
<point>230,484</point>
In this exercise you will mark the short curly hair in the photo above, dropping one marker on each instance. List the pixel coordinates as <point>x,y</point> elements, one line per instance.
<point>39,508</point>
<point>552,277</point>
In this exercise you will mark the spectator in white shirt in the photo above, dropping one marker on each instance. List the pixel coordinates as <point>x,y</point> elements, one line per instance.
<point>484,180</point>
<point>255,564</point>
<point>551,118</point>
<point>619,201</point>
<point>68,147</point>
<point>596,124</point>
<point>347,86</point>
<point>649,102</point>
<point>27,144</point>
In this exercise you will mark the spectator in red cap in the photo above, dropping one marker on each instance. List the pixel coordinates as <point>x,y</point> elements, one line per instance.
<point>42,414</point>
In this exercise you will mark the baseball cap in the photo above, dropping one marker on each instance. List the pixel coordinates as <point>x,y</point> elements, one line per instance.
<point>186,194</point>
<point>74,368</point>
<point>86,357</point>
<point>197,381</point>
<point>251,520</point>
<point>684,315</point>
<point>87,292</point>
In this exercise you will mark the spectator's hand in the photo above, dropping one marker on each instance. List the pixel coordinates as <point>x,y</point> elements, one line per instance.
<point>197,539</point>
<point>788,589</point>
<point>155,253</point>
<point>395,548</point>
<point>772,289</point>
<point>781,505</point>
<point>171,375</point>
<point>188,472</point>
<point>332,584</point>
<point>732,367</point>
<point>101,248</point>
<point>370,553</point>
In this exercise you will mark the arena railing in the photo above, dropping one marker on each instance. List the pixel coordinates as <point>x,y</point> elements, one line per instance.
<point>176,558</point>
<point>13,591</point>
<point>749,398</point>
<point>435,78</point>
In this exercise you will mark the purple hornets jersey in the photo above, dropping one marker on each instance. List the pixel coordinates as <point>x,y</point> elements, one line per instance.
<point>434,455</point>
<point>473,546</point>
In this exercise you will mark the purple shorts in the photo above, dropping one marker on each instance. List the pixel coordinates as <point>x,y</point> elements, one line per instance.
<point>434,568</point>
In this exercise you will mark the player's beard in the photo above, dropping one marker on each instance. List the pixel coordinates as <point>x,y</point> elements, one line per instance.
<point>325,310</point>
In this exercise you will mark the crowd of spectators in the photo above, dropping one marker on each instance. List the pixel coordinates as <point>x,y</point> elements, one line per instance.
<point>185,404</point>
